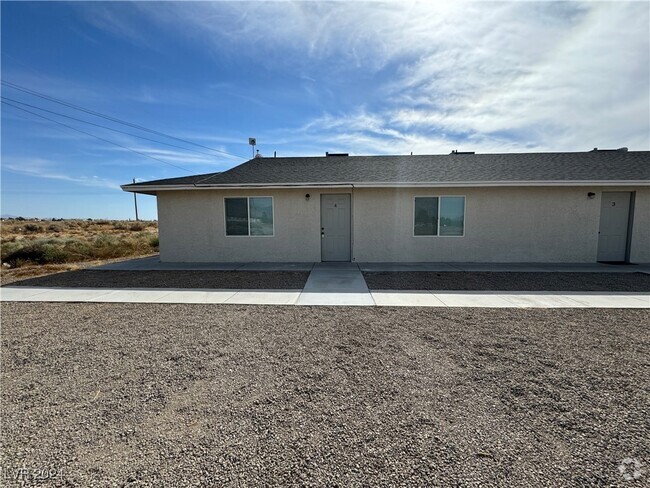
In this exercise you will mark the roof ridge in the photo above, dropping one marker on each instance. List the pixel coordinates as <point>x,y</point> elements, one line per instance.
<point>605,166</point>
<point>342,158</point>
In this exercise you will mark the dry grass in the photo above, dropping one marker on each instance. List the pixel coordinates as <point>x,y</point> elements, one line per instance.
<point>35,248</point>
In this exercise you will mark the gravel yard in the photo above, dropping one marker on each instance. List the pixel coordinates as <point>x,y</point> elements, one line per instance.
<point>188,395</point>
<point>507,281</point>
<point>171,279</point>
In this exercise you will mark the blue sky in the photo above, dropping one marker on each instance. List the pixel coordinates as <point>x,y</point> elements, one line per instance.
<point>305,78</point>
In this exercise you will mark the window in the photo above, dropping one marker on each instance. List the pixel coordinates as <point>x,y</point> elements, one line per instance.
<point>236,216</point>
<point>452,216</point>
<point>261,216</point>
<point>426,216</point>
<point>439,216</point>
<point>249,216</point>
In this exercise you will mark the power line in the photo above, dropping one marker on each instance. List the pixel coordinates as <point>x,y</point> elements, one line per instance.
<point>97,137</point>
<point>108,117</point>
<point>105,126</point>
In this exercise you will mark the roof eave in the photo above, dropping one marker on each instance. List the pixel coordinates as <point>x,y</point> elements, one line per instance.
<point>152,189</point>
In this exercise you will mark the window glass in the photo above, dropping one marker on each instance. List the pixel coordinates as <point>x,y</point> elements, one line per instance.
<point>236,217</point>
<point>261,216</point>
<point>452,216</point>
<point>426,216</point>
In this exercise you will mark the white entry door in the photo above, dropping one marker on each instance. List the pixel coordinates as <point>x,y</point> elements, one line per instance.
<point>335,227</point>
<point>614,218</point>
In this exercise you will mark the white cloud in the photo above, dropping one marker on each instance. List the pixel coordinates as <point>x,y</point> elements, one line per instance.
<point>42,168</point>
<point>177,156</point>
<point>484,75</point>
<point>107,17</point>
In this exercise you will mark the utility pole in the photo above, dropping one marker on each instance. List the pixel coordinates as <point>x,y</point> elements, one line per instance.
<point>135,201</point>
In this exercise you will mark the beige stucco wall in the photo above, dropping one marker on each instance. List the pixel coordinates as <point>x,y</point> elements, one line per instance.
<point>192,228</point>
<point>640,245</point>
<point>501,225</point>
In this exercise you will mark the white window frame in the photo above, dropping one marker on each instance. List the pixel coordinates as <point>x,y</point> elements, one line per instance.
<point>439,206</point>
<point>248,208</point>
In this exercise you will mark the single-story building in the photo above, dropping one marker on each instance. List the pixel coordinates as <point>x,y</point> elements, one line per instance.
<point>577,207</point>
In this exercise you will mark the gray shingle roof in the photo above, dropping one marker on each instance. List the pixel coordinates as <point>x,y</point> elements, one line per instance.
<point>181,180</point>
<point>450,168</point>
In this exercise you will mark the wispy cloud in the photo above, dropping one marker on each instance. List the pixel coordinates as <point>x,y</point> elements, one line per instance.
<point>123,144</point>
<point>55,86</point>
<point>121,21</point>
<point>178,156</point>
<point>42,168</point>
<point>548,75</point>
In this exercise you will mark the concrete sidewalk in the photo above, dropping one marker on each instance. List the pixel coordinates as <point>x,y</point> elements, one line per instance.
<point>509,267</point>
<point>331,284</point>
<point>152,263</point>
<point>316,296</point>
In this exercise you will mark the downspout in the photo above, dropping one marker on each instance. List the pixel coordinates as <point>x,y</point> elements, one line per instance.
<point>630,227</point>
<point>353,257</point>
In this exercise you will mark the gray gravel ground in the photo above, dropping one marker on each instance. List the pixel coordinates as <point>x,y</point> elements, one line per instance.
<point>507,281</point>
<point>214,395</point>
<point>172,279</point>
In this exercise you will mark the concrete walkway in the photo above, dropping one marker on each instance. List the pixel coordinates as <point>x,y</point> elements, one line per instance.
<point>317,296</point>
<point>148,295</point>
<point>152,263</point>
<point>510,267</point>
<point>333,284</point>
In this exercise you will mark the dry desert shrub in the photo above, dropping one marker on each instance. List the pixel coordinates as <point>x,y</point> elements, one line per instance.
<point>29,243</point>
<point>31,228</point>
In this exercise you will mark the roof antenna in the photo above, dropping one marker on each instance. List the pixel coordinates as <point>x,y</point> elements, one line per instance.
<point>252,142</point>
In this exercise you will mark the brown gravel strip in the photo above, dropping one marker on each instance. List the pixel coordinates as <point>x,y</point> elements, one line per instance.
<point>507,281</point>
<point>213,395</point>
<point>10,275</point>
<point>171,279</point>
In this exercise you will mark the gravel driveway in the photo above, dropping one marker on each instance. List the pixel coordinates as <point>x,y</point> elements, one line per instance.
<point>507,281</point>
<point>190,395</point>
<point>172,279</point>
